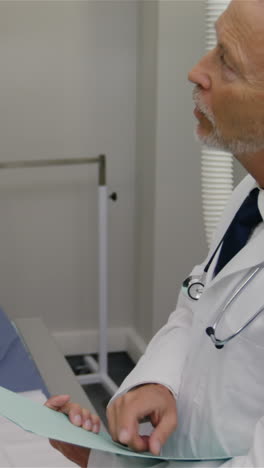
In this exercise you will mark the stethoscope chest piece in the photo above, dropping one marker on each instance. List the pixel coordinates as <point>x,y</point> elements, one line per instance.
<point>193,287</point>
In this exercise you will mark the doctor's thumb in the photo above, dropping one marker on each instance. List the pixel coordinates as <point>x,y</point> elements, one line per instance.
<point>161,433</point>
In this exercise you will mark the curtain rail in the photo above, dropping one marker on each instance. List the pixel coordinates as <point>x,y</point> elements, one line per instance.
<point>60,162</point>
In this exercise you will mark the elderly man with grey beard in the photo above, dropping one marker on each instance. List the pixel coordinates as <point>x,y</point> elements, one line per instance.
<point>200,382</point>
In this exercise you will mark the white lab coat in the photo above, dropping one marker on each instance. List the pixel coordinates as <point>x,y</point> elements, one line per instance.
<point>219,393</point>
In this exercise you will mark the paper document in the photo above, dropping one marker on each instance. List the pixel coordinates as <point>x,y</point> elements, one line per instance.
<point>39,419</point>
<point>25,449</point>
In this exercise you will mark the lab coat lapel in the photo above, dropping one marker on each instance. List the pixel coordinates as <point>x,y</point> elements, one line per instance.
<point>251,255</point>
<point>253,252</point>
<point>238,196</point>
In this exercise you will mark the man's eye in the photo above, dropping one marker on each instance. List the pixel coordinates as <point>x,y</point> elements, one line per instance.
<point>223,61</point>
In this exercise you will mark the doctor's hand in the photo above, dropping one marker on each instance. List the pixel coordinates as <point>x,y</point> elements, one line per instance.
<point>151,401</point>
<point>79,417</point>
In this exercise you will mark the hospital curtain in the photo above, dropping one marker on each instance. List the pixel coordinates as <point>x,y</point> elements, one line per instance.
<point>216,166</point>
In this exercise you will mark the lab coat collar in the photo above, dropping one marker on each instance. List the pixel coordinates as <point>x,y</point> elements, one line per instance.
<point>251,255</point>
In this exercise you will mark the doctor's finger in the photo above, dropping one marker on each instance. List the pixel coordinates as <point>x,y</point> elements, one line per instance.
<point>133,440</point>
<point>125,429</point>
<point>125,432</point>
<point>111,419</point>
<point>128,434</point>
<point>166,425</point>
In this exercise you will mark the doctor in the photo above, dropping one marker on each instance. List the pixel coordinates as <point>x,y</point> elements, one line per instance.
<point>204,401</point>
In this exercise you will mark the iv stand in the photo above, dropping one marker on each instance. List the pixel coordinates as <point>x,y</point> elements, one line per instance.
<point>99,369</point>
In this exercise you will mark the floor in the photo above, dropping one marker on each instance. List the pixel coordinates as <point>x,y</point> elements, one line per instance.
<point>119,365</point>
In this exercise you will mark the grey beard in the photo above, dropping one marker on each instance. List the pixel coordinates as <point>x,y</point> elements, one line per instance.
<point>215,140</point>
<point>236,147</point>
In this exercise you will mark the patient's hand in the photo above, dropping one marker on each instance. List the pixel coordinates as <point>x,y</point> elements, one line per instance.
<point>79,417</point>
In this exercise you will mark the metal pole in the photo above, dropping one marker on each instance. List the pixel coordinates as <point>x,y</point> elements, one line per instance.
<point>102,367</point>
<point>99,372</point>
<point>48,162</point>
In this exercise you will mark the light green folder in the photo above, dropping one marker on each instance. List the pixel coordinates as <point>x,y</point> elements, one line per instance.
<point>39,419</point>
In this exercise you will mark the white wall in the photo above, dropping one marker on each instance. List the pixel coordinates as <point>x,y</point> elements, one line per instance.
<point>171,235</point>
<point>67,89</point>
<point>76,76</point>
<point>145,166</point>
<point>179,232</point>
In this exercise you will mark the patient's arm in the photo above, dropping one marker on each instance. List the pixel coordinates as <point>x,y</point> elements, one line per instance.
<point>79,417</point>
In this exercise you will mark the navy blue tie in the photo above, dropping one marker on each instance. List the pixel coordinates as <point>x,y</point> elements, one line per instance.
<point>236,236</point>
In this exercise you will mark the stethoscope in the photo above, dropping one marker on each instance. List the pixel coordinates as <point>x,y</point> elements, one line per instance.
<point>193,287</point>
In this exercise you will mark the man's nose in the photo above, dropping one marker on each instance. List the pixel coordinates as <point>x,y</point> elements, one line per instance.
<point>199,75</point>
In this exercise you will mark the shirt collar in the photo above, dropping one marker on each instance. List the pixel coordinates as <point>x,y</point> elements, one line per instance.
<point>261,202</point>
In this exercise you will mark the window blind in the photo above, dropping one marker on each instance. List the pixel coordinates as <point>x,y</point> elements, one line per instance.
<point>216,166</point>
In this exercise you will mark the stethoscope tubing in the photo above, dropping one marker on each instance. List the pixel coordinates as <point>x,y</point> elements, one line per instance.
<point>238,290</point>
<point>211,331</point>
<point>193,286</point>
